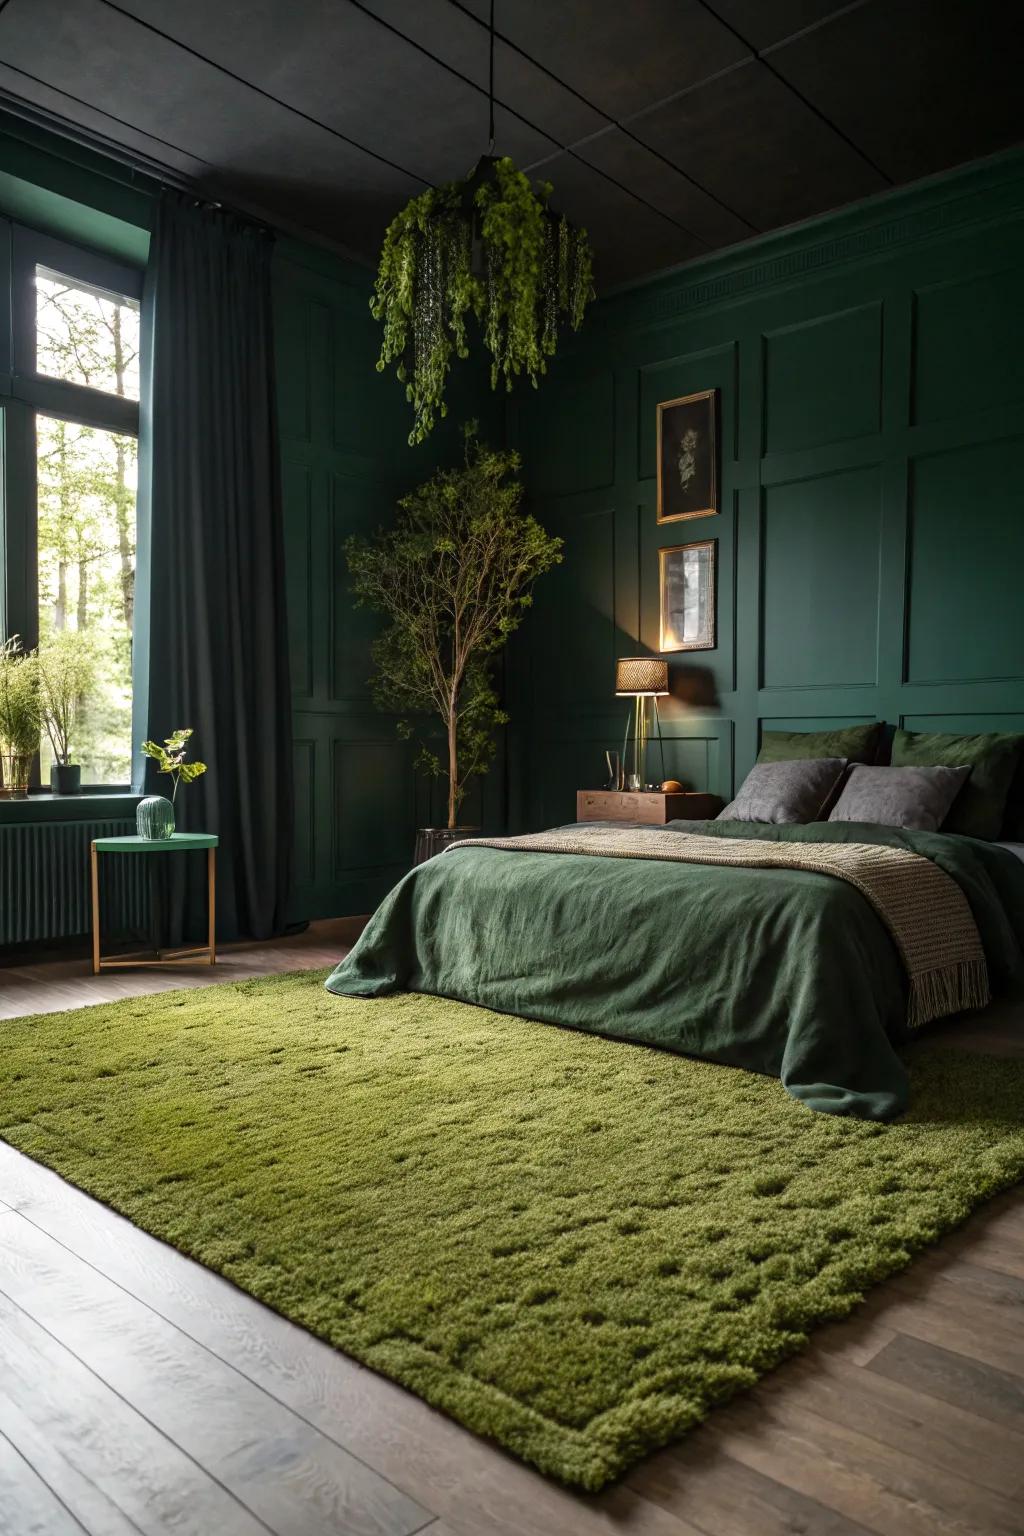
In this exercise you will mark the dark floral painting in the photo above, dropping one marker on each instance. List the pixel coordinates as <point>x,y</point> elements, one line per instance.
<point>687,457</point>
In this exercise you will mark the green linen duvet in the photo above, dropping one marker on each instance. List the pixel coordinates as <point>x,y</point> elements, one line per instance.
<point>778,971</point>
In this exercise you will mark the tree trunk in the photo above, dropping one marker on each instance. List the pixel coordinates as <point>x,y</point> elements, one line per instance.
<point>123,499</point>
<point>123,542</point>
<point>453,765</point>
<point>60,607</point>
<point>60,612</point>
<point>82,615</point>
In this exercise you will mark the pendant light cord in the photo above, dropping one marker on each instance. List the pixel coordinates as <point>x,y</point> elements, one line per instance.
<point>490,86</point>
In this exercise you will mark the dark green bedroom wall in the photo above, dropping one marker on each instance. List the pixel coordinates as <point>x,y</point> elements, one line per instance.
<point>871,534</point>
<point>871,531</point>
<point>345,462</point>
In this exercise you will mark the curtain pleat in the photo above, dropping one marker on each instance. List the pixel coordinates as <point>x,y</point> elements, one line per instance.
<point>218,642</point>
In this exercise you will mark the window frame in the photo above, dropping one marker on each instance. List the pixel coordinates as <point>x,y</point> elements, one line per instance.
<point>28,393</point>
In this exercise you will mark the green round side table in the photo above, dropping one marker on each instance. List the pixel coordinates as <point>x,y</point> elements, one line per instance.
<point>178,842</point>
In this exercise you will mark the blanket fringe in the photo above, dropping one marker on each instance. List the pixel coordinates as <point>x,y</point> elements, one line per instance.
<point>948,989</point>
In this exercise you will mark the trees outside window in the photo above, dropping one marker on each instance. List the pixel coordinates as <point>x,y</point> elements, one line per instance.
<point>77,355</point>
<point>86,562</point>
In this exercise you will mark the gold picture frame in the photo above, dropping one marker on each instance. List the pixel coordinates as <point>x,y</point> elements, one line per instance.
<point>687,457</point>
<point>688,596</point>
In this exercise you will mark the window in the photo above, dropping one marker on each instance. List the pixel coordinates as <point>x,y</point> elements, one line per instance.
<point>85,525</point>
<point>86,336</point>
<point>71,525</point>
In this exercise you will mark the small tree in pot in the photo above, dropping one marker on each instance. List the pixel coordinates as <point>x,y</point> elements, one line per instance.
<point>453,579</point>
<point>66,673</point>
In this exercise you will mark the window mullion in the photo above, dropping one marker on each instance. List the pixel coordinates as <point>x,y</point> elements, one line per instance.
<point>20,584</point>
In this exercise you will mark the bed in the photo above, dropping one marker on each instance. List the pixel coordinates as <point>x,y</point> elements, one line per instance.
<point>782,971</point>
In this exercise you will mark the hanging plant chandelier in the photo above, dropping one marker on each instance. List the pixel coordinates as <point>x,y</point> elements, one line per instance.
<point>488,246</point>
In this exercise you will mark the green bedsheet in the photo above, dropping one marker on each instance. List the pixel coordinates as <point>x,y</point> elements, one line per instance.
<point>778,971</point>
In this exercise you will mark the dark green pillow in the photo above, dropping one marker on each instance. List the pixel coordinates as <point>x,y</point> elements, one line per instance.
<point>857,743</point>
<point>980,807</point>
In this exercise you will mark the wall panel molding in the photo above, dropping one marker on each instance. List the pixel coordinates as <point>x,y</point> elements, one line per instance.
<point>975,196</point>
<point>872,526</point>
<point>346,463</point>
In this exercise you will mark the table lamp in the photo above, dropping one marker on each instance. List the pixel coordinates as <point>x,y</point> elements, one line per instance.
<point>640,678</point>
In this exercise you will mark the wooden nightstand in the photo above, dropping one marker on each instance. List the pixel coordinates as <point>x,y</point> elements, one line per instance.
<point>655,807</point>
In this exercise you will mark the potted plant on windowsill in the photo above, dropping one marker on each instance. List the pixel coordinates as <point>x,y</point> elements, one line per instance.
<point>66,674</point>
<point>453,580</point>
<point>20,721</point>
<point>154,816</point>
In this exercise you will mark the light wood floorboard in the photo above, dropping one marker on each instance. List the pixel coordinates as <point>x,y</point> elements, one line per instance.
<point>53,985</point>
<point>141,1392</point>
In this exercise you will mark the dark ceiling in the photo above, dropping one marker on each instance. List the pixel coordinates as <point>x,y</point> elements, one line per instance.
<point>669,127</point>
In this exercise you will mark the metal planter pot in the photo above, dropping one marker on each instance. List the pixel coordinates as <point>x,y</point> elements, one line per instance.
<point>434,840</point>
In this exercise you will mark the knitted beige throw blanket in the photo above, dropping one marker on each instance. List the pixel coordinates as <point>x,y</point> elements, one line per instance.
<point>923,908</point>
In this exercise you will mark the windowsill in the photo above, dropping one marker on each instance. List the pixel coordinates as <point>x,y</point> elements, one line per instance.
<point>91,805</point>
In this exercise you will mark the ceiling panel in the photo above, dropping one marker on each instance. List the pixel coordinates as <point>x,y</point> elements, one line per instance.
<point>460,38</point>
<point>665,188</point>
<point>343,68</point>
<point>758,148</point>
<point>660,129</point>
<point>100,55</point>
<point>621,56</point>
<point>953,93</point>
<point>765,22</point>
<point>100,125</point>
<point>628,238</point>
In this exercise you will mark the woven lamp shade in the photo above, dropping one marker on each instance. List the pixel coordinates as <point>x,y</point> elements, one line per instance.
<point>641,674</point>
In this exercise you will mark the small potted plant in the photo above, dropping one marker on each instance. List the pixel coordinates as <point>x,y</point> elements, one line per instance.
<point>65,676</point>
<point>20,720</point>
<point>155,815</point>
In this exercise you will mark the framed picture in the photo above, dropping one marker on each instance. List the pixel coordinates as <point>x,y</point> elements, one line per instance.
<point>687,584</point>
<point>688,457</point>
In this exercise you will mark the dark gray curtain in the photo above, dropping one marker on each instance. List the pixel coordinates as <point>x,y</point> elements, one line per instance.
<point>217,637</point>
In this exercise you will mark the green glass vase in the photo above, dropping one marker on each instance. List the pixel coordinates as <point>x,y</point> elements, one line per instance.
<point>154,818</point>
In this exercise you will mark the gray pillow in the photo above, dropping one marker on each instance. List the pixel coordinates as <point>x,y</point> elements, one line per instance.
<point>795,790</point>
<point>917,798</point>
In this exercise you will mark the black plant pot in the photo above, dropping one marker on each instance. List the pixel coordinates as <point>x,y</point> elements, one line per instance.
<point>434,840</point>
<point>65,779</point>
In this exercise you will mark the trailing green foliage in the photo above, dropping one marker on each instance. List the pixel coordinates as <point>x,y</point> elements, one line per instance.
<point>575,1246</point>
<point>535,271</point>
<point>171,758</point>
<point>453,580</point>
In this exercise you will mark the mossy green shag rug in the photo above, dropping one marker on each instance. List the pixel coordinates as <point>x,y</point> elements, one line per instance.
<point>573,1245</point>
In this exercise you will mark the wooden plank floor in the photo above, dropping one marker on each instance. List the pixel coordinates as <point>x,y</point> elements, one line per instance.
<point>56,984</point>
<point>141,1393</point>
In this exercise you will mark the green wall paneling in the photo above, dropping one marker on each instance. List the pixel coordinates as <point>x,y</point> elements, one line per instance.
<point>966,615</point>
<point>869,542</point>
<point>969,345</point>
<point>714,367</point>
<point>569,446</point>
<point>822,379</point>
<point>700,679</point>
<point>819,581</point>
<point>966,724</point>
<point>566,755</point>
<point>345,463</point>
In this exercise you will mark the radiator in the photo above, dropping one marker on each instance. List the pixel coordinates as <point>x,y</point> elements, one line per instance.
<point>44,881</point>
